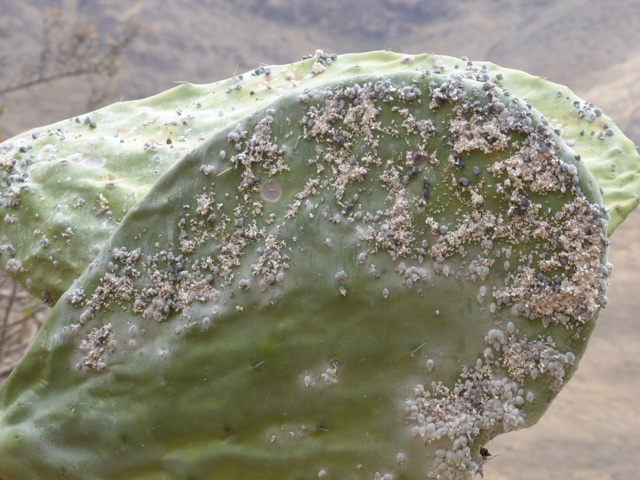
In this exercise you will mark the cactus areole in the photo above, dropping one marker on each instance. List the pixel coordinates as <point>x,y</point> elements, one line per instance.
<point>357,267</point>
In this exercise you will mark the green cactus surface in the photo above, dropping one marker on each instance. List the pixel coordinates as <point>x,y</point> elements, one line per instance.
<point>68,185</point>
<point>358,267</point>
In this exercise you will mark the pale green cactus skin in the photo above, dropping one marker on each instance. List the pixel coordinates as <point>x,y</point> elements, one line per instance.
<point>76,179</point>
<point>309,312</point>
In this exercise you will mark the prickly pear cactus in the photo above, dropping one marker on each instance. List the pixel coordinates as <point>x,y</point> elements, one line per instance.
<point>360,267</point>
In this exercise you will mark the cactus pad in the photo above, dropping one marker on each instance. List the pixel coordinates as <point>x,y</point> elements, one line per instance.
<point>367,267</point>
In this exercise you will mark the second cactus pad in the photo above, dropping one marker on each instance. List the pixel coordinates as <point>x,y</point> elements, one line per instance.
<point>369,278</point>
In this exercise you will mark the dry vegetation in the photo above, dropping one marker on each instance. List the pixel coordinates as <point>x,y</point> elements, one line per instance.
<point>20,318</point>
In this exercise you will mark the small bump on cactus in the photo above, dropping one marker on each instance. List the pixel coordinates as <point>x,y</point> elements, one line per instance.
<point>366,267</point>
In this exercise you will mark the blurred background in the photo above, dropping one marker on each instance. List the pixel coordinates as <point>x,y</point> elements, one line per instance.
<point>63,58</point>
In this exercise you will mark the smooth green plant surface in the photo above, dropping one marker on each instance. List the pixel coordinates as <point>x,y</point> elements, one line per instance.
<point>357,267</point>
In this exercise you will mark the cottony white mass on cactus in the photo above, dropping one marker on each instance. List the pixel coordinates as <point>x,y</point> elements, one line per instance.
<point>360,266</point>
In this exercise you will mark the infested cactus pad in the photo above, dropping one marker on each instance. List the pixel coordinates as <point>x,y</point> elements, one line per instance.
<point>67,186</point>
<point>368,275</point>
